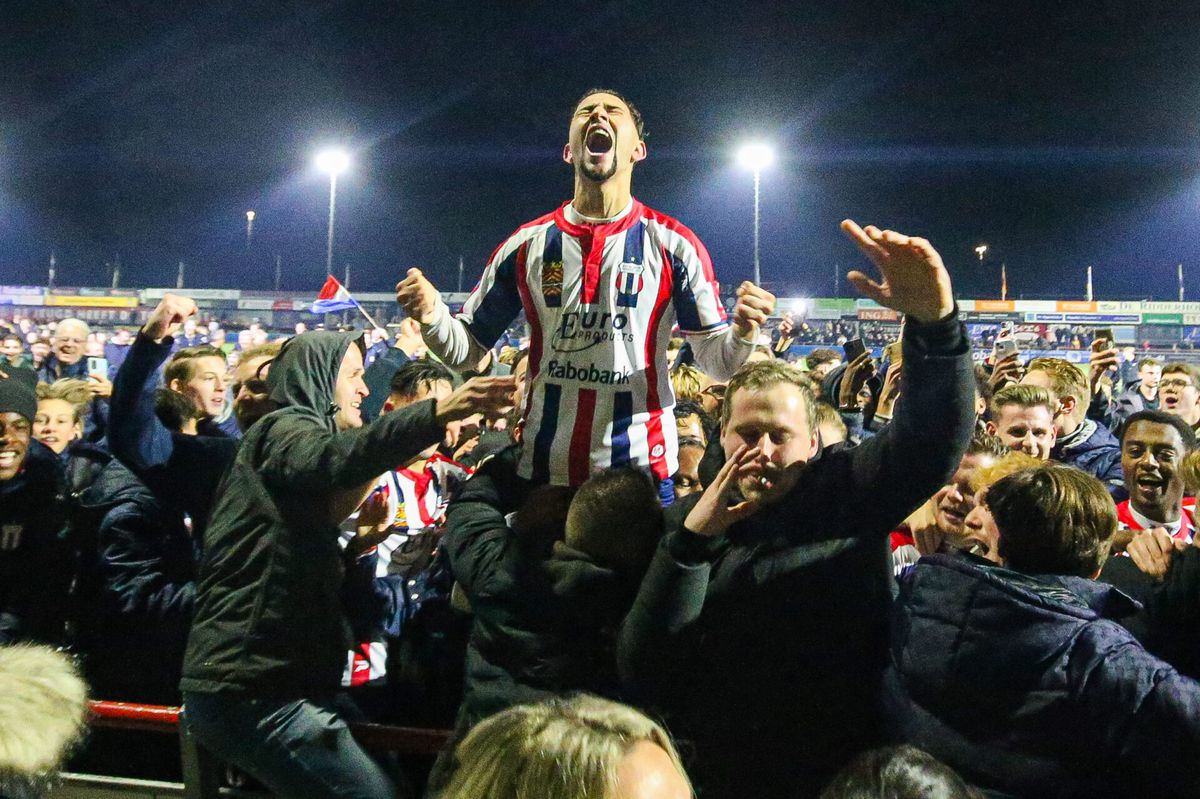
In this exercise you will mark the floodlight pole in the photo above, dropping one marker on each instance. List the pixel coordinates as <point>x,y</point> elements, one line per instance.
<point>757,275</point>
<point>332,210</point>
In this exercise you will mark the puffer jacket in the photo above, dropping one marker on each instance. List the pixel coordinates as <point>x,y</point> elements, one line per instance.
<point>1028,686</point>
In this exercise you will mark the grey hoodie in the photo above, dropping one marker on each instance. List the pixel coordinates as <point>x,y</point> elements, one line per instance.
<point>269,620</point>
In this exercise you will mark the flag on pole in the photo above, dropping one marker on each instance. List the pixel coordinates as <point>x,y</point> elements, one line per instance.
<point>1003,281</point>
<point>1089,286</point>
<point>333,297</point>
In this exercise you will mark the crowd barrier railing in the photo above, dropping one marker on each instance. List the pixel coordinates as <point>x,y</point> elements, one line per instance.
<point>201,770</point>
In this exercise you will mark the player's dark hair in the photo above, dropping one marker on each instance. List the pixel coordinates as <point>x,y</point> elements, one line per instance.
<point>633,110</point>
<point>1186,433</point>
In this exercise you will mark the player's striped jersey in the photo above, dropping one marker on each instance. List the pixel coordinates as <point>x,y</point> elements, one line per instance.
<point>601,300</point>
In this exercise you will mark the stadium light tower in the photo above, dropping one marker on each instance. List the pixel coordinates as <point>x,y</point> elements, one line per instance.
<point>332,162</point>
<point>756,157</point>
<point>980,250</point>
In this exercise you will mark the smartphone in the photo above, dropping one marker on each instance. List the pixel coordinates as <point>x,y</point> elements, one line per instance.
<point>1102,334</point>
<point>1003,348</point>
<point>853,349</point>
<point>98,367</point>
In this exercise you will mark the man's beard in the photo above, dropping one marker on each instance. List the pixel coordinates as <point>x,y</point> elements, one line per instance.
<point>597,175</point>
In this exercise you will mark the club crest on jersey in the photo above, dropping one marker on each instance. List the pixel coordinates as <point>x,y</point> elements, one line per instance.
<point>552,283</point>
<point>629,284</point>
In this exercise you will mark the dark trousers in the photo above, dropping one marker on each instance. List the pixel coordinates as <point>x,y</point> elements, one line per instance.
<point>296,747</point>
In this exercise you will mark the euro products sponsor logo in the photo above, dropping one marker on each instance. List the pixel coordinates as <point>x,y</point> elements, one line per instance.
<point>589,373</point>
<point>581,330</point>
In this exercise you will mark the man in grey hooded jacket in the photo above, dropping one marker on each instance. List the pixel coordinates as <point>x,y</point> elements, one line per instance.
<point>267,647</point>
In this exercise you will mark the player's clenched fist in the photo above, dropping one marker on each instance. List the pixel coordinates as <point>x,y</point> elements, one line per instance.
<point>754,304</point>
<point>168,316</point>
<point>417,296</point>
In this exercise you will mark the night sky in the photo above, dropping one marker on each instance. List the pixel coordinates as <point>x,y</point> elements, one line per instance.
<point>1061,134</point>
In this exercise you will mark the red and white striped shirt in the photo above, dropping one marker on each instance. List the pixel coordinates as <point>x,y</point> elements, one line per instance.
<point>601,299</point>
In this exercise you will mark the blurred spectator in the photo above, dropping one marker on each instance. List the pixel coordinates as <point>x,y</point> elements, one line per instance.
<point>1031,688</point>
<point>61,407</point>
<point>249,386</point>
<point>1179,392</point>
<point>692,422</point>
<point>1023,418</point>
<point>687,479</point>
<point>1079,441</point>
<point>821,362</point>
<point>13,351</point>
<point>177,412</point>
<point>43,717</point>
<point>898,772</point>
<point>39,352</point>
<point>547,610</point>
<point>940,524</point>
<point>199,374</point>
<point>687,382</point>
<point>35,561</point>
<point>1141,393</point>
<point>579,748</point>
<point>66,359</point>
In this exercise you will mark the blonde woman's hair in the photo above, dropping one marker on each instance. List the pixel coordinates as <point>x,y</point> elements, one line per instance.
<point>1191,471</point>
<point>687,381</point>
<point>561,748</point>
<point>43,714</point>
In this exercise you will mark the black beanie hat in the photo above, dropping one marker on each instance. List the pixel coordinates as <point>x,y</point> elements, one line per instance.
<point>17,396</point>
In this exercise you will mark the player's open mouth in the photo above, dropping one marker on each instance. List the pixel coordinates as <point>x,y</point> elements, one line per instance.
<point>599,141</point>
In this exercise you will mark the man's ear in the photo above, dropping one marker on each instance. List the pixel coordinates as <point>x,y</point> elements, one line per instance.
<point>1069,404</point>
<point>991,428</point>
<point>175,385</point>
<point>567,153</point>
<point>639,152</point>
<point>388,406</point>
<point>813,445</point>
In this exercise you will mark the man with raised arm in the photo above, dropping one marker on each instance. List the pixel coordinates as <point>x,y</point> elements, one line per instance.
<point>602,280</point>
<point>761,628</point>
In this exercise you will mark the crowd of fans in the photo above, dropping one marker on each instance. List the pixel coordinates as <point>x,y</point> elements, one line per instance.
<point>841,575</point>
<point>1074,484</point>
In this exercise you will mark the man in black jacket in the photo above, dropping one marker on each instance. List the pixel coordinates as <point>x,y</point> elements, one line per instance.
<point>35,563</point>
<point>269,638</point>
<point>761,627</point>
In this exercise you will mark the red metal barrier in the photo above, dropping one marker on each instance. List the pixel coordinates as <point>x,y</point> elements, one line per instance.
<point>164,719</point>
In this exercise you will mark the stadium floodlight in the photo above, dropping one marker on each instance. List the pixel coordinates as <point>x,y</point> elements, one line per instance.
<point>756,157</point>
<point>980,250</point>
<point>333,161</point>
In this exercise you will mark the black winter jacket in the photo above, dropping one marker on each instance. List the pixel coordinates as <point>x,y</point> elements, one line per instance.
<point>135,590</point>
<point>542,625</point>
<point>269,621</point>
<point>1028,686</point>
<point>767,647</point>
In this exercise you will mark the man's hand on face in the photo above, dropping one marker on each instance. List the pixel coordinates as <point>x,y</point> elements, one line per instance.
<point>167,317</point>
<point>751,310</point>
<point>915,282</point>
<point>712,515</point>
<point>1151,551</point>
<point>490,396</point>
<point>417,296</point>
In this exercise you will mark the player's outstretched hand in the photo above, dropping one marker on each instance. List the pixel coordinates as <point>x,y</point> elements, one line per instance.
<point>491,396</point>
<point>167,317</point>
<point>754,305</point>
<point>915,282</point>
<point>417,296</point>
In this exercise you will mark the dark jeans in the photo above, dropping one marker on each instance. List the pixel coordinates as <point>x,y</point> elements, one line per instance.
<point>297,747</point>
